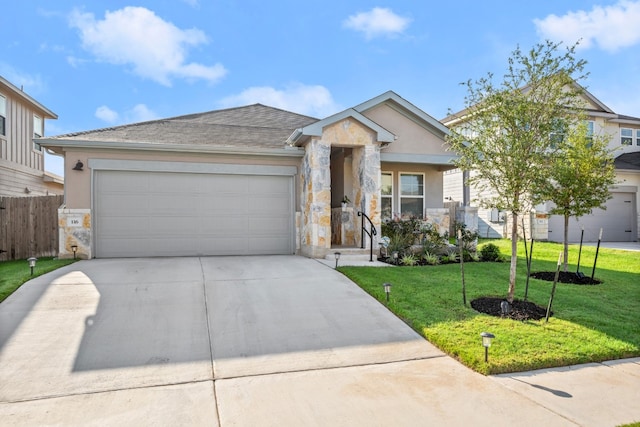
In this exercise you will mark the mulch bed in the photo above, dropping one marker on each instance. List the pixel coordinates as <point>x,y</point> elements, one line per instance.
<point>518,310</point>
<point>565,277</point>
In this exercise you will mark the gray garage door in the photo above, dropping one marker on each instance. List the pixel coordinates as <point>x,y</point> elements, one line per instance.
<point>617,222</point>
<point>139,214</point>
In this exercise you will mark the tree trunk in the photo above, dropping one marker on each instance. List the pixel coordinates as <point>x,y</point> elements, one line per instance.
<point>514,257</point>
<point>566,241</point>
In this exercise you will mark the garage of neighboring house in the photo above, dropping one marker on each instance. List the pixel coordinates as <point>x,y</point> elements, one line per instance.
<point>617,222</point>
<point>154,213</point>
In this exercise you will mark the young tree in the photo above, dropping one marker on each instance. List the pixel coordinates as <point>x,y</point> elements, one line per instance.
<point>579,176</point>
<point>504,134</point>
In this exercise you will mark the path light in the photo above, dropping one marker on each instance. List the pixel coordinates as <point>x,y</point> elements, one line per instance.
<point>387,289</point>
<point>74,248</point>
<point>395,257</point>
<point>486,343</point>
<point>337,255</point>
<point>32,263</point>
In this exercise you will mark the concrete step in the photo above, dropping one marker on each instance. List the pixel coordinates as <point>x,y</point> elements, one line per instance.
<point>349,253</point>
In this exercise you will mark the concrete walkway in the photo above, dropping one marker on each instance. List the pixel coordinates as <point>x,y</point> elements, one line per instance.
<point>258,341</point>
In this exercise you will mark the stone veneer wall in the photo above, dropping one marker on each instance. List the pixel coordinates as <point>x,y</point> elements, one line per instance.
<point>315,232</point>
<point>74,228</point>
<point>343,226</point>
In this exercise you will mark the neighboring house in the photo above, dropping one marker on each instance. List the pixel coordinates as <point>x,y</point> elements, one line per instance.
<point>620,221</point>
<point>22,119</point>
<point>249,180</point>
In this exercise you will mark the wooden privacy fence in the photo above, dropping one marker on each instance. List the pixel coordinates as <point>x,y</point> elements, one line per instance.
<point>29,226</point>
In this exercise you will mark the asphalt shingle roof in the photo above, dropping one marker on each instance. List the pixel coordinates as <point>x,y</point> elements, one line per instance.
<point>628,161</point>
<point>251,126</point>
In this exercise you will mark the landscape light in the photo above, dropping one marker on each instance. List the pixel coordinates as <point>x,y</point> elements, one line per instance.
<point>387,289</point>
<point>32,263</point>
<point>337,255</point>
<point>486,343</point>
<point>74,248</point>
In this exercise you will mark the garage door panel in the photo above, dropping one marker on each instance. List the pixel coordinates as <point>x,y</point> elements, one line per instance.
<point>131,181</point>
<point>188,214</point>
<point>617,222</point>
<point>268,225</point>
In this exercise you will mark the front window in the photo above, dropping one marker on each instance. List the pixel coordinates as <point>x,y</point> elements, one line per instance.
<point>412,195</point>
<point>386,191</point>
<point>3,115</point>
<point>37,131</point>
<point>626,136</point>
<point>638,137</point>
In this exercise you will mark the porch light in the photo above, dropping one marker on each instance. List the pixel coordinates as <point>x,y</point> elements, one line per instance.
<point>74,248</point>
<point>79,165</point>
<point>337,255</point>
<point>387,289</point>
<point>486,343</point>
<point>32,263</point>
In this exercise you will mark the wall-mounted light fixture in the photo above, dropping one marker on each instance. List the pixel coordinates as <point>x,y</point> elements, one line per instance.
<point>79,165</point>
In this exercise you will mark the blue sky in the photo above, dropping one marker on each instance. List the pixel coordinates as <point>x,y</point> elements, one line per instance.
<point>107,63</point>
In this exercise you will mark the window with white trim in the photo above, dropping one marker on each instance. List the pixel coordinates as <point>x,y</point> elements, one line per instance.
<point>38,131</point>
<point>626,136</point>
<point>412,195</point>
<point>3,115</point>
<point>638,137</point>
<point>386,193</point>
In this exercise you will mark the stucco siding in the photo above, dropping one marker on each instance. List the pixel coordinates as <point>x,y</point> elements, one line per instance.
<point>411,137</point>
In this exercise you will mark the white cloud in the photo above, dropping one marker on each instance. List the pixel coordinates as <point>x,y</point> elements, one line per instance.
<point>155,48</point>
<point>192,3</point>
<point>309,100</point>
<point>377,22</point>
<point>106,114</point>
<point>139,113</point>
<point>610,27</point>
<point>31,84</point>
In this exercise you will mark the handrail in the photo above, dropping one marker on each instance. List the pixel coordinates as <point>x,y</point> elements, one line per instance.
<point>371,233</point>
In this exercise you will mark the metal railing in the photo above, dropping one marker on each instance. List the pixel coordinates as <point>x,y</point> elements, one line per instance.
<point>371,232</point>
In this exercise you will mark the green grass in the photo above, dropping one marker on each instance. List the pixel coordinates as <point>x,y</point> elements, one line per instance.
<point>590,323</point>
<point>14,273</point>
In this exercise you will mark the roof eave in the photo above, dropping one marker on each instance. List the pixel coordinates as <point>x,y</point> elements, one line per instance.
<point>186,148</point>
<point>20,93</point>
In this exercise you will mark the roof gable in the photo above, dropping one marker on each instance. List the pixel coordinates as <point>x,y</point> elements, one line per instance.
<point>315,129</point>
<point>404,107</point>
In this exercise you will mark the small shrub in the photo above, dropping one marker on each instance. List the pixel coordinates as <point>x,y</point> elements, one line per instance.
<point>452,256</point>
<point>430,258</point>
<point>409,259</point>
<point>432,241</point>
<point>490,252</point>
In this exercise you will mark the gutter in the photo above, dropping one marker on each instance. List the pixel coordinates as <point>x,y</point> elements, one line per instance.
<point>146,146</point>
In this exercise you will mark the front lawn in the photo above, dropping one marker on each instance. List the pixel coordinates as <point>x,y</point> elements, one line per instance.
<point>14,273</point>
<point>590,323</point>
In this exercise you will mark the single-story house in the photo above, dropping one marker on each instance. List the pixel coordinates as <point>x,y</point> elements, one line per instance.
<point>249,180</point>
<point>620,221</point>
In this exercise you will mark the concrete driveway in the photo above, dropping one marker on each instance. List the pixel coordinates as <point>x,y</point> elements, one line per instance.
<point>230,341</point>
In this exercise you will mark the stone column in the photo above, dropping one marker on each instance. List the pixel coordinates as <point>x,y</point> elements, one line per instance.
<point>366,188</point>
<point>316,199</point>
